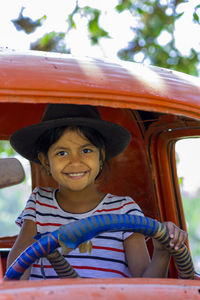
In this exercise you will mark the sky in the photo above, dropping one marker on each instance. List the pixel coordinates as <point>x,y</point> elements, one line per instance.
<point>188,166</point>
<point>118,26</point>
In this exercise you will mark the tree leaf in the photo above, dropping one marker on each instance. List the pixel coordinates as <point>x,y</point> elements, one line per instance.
<point>125,4</point>
<point>26,23</point>
<point>95,31</point>
<point>195,17</point>
<point>50,42</point>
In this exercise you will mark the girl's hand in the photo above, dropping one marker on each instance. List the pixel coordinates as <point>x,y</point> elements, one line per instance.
<point>178,237</point>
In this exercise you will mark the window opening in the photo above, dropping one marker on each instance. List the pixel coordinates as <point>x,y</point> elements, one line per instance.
<point>188,169</point>
<point>13,198</point>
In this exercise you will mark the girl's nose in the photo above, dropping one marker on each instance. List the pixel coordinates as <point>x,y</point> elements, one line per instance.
<point>75,158</point>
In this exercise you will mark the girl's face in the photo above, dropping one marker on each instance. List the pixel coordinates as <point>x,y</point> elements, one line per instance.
<point>72,161</point>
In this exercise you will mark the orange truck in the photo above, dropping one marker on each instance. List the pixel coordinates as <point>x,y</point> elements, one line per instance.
<point>158,106</point>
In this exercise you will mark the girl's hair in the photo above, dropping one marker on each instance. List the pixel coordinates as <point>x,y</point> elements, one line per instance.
<point>52,135</point>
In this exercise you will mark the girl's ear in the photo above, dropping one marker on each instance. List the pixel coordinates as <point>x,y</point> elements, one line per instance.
<point>102,155</point>
<point>44,161</point>
<point>102,159</point>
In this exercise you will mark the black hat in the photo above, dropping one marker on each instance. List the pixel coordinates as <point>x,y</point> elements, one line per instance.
<point>116,137</point>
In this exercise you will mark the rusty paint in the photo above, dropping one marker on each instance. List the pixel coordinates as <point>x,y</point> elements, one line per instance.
<point>30,80</point>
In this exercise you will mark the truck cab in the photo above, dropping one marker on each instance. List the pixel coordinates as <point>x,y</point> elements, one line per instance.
<point>158,106</point>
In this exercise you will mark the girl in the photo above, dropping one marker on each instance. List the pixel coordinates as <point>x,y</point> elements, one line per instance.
<point>73,144</point>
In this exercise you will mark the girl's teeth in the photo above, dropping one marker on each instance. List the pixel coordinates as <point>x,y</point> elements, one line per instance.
<point>76,174</point>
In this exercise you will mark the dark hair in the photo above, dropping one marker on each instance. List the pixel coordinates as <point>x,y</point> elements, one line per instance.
<point>51,136</point>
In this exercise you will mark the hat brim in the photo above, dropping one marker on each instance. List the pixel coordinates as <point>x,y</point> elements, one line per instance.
<point>115,136</point>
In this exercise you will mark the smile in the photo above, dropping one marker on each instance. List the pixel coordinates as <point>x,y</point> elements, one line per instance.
<point>76,175</point>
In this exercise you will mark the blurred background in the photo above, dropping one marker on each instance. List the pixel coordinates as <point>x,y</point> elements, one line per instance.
<point>164,33</point>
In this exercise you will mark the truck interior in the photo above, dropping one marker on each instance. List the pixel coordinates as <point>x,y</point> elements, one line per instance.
<point>146,170</point>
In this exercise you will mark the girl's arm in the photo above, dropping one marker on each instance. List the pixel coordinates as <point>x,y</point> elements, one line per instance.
<point>136,254</point>
<point>24,239</point>
<point>138,257</point>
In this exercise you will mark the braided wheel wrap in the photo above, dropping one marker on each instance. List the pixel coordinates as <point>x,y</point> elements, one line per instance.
<point>77,232</point>
<point>62,266</point>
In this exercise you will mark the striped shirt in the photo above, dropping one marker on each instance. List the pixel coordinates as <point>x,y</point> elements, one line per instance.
<point>107,259</point>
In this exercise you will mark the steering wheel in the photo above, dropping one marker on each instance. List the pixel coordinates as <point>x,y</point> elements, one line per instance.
<point>77,232</point>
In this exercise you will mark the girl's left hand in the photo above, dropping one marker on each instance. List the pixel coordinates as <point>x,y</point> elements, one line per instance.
<point>177,235</point>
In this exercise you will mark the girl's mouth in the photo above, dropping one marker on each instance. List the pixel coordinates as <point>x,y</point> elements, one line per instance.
<point>77,175</point>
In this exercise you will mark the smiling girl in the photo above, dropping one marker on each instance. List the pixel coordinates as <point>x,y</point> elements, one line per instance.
<point>73,144</point>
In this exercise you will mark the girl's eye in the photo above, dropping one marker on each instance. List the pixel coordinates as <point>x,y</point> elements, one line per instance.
<point>62,153</point>
<point>86,150</point>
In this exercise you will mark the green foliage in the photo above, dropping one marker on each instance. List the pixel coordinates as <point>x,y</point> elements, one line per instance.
<point>195,14</point>
<point>70,19</point>
<point>26,23</point>
<point>153,18</point>
<point>180,180</point>
<point>93,25</point>
<point>93,15</point>
<point>51,42</point>
<point>11,205</point>
<point>192,213</point>
<point>12,199</point>
<point>6,150</point>
<point>123,5</point>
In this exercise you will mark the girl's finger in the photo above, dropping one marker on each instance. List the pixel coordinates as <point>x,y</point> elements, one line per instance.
<point>178,236</point>
<point>175,238</point>
<point>170,227</point>
<point>182,237</point>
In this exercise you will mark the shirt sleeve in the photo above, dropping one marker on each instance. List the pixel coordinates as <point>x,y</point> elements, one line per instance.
<point>29,212</point>
<point>133,209</point>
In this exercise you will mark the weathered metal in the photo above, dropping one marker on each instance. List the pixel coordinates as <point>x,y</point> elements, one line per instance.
<point>157,105</point>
